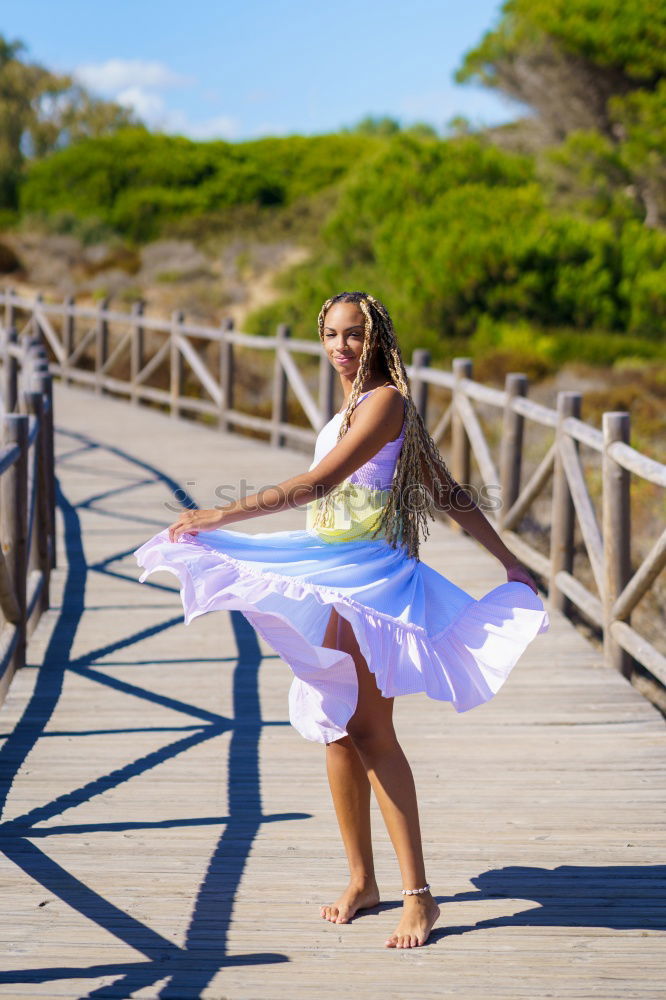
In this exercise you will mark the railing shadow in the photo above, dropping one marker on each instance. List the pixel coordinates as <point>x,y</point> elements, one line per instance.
<point>616,897</point>
<point>204,952</point>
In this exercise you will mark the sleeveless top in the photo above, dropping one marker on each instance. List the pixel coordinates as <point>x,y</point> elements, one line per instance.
<point>358,501</point>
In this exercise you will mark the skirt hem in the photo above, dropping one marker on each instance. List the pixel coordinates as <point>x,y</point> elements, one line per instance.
<point>466,663</point>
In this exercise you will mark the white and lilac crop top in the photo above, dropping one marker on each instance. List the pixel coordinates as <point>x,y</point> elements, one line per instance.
<point>379,471</point>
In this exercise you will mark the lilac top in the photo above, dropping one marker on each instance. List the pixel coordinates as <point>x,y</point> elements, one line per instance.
<point>379,471</point>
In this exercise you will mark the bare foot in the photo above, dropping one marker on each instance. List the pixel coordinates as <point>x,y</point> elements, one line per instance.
<point>419,913</point>
<point>352,899</point>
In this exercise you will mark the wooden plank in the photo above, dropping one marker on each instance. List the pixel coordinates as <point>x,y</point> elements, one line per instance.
<point>300,388</point>
<point>640,648</point>
<point>199,369</point>
<point>581,596</point>
<point>642,465</point>
<point>532,488</point>
<point>643,578</point>
<point>200,865</point>
<point>477,441</point>
<point>50,335</point>
<point>586,517</point>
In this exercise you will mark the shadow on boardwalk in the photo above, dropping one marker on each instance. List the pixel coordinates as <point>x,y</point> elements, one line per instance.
<point>613,897</point>
<point>192,966</point>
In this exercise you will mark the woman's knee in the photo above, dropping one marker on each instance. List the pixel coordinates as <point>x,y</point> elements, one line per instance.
<point>371,739</point>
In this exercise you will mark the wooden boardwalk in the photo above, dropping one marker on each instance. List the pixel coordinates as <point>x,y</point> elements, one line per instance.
<point>166,833</point>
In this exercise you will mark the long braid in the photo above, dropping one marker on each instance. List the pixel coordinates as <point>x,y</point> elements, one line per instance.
<point>410,502</point>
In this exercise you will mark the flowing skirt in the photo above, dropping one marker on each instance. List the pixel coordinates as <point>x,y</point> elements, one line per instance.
<point>417,630</point>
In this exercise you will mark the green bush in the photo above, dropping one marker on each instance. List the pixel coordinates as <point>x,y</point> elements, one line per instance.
<point>447,233</point>
<point>137,182</point>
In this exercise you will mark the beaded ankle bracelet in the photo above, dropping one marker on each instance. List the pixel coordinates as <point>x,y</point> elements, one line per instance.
<point>414,892</point>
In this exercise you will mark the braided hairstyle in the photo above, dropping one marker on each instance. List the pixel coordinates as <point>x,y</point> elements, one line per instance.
<point>410,502</point>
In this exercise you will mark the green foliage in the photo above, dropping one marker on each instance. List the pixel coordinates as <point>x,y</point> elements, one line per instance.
<point>372,125</point>
<point>594,71</point>
<point>41,111</point>
<point>450,233</point>
<point>138,182</point>
<point>628,36</point>
<point>533,346</point>
<point>536,258</point>
<point>586,174</point>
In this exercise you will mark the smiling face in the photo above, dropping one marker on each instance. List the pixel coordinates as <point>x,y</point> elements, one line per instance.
<point>344,336</point>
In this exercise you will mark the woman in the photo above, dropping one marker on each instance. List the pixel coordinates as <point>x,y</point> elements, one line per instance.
<point>348,604</point>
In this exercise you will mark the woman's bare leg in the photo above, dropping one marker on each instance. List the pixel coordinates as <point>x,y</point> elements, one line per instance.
<point>372,733</point>
<point>350,790</point>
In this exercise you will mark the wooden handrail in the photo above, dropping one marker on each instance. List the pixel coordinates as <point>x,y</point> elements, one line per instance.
<point>27,517</point>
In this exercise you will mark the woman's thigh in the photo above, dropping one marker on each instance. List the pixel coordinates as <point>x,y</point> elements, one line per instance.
<point>372,709</point>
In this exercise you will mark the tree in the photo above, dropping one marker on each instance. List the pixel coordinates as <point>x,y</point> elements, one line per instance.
<point>41,111</point>
<point>594,73</point>
<point>372,125</point>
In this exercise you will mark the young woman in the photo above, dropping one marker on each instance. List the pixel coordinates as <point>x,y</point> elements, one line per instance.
<point>348,604</point>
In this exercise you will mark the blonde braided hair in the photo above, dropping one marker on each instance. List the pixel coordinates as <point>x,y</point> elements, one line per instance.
<point>410,502</point>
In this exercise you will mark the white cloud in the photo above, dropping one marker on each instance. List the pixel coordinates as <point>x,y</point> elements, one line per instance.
<point>147,105</point>
<point>121,74</point>
<point>218,127</point>
<point>140,84</point>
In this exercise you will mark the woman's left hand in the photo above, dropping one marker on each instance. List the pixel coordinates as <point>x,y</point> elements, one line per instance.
<point>191,522</point>
<point>517,572</point>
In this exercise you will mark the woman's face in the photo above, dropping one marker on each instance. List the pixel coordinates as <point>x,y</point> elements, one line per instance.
<point>344,334</point>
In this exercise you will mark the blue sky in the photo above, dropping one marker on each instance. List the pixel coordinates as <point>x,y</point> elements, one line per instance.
<point>238,70</point>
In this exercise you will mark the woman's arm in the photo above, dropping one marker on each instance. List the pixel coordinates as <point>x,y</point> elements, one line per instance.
<point>373,426</point>
<point>451,497</point>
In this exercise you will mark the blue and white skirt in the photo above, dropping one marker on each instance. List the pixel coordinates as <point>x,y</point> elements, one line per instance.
<point>417,631</point>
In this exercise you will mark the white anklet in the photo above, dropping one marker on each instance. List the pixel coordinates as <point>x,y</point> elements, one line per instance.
<point>414,892</point>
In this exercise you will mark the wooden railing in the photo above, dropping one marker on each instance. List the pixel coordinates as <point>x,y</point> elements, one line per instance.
<point>27,496</point>
<point>608,544</point>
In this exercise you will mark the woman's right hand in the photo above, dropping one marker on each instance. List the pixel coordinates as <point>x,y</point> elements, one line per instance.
<point>191,522</point>
<point>517,572</point>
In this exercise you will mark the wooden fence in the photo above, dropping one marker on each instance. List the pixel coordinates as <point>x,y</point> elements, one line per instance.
<point>27,496</point>
<point>82,336</point>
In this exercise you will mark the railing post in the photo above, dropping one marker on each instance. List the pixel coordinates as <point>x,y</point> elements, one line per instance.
<point>137,349</point>
<point>34,330</point>
<point>563,516</point>
<point>43,383</point>
<point>616,534</point>
<point>39,557</point>
<point>34,354</point>
<point>511,448</point>
<point>13,524</point>
<point>279,389</point>
<point>10,377</point>
<point>326,388</point>
<point>101,345</point>
<point>460,450</point>
<point>419,388</point>
<point>176,365</point>
<point>68,335</point>
<point>226,373</point>
<point>10,308</point>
